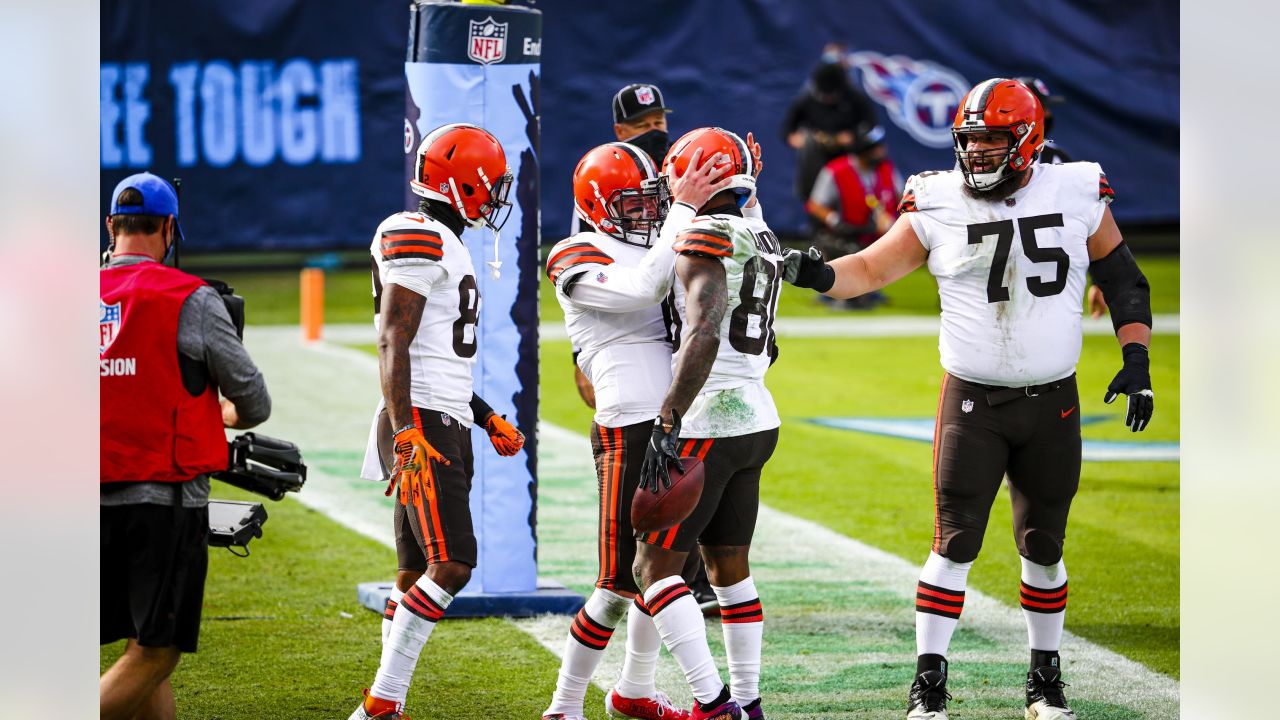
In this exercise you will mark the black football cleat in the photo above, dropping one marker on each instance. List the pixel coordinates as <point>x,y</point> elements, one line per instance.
<point>928,697</point>
<point>1045,700</point>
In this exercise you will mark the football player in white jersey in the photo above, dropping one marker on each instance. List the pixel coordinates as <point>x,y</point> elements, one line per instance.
<point>1009,241</point>
<point>718,409</point>
<point>428,304</point>
<point>610,283</point>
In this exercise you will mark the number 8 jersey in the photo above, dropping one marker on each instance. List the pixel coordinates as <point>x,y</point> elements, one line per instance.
<point>1010,272</point>
<point>734,400</point>
<point>420,254</point>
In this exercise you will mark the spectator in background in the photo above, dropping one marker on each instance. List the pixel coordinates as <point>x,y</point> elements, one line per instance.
<point>854,201</point>
<point>823,121</point>
<point>639,118</point>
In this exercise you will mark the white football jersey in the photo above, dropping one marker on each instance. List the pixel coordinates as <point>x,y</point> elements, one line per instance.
<point>734,400</point>
<point>421,254</point>
<point>622,339</point>
<point>1010,273</point>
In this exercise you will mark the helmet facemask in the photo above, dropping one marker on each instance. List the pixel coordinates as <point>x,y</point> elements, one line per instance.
<point>984,169</point>
<point>635,214</point>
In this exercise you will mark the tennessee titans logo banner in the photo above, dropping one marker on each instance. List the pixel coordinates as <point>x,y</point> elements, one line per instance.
<point>486,72</point>
<point>108,325</point>
<point>921,97</point>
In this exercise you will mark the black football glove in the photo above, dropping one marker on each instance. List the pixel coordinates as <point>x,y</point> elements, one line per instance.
<point>660,453</point>
<point>1134,380</point>
<point>807,270</point>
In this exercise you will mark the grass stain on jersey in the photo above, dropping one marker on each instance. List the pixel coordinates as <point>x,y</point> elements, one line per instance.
<point>728,410</point>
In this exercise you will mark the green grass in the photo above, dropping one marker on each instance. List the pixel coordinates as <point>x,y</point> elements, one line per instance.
<point>283,636</point>
<point>276,643</point>
<point>1122,548</point>
<point>272,298</point>
<point>1125,516</point>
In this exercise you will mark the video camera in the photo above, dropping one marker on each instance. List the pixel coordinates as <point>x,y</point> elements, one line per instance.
<point>233,302</point>
<point>262,465</point>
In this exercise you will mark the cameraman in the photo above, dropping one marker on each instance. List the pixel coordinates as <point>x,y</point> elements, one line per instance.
<point>167,347</point>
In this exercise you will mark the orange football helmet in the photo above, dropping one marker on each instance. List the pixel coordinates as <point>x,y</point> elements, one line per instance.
<point>464,165</point>
<point>712,140</point>
<point>617,189</point>
<point>998,105</point>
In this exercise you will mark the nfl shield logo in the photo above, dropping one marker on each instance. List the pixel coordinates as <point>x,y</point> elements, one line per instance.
<point>488,41</point>
<point>108,325</point>
<point>445,419</point>
<point>644,95</point>
<point>967,406</point>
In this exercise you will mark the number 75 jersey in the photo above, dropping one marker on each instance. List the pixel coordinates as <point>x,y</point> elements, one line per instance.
<point>1010,272</point>
<point>421,254</point>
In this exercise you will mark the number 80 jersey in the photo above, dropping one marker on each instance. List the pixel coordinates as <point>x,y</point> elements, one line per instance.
<point>421,254</point>
<point>1010,272</point>
<point>734,400</point>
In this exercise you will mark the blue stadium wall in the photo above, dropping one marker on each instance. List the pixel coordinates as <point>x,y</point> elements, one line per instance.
<point>285,118</point>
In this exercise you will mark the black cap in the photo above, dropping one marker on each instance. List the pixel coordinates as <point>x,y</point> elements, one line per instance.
<point>829,78</point>
<point>870,139</point>
<point>635,100</point>
<point>1041,91</point>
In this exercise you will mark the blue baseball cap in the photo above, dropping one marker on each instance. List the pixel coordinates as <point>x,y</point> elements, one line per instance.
<point>158,196</point>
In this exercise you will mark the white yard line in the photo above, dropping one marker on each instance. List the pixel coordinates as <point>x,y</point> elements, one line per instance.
<point>833,605</point>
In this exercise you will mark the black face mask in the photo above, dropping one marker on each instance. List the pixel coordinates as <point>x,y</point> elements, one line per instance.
<point>655,143</point>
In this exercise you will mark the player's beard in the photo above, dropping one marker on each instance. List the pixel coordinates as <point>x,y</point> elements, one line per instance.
<point>1010,185</point>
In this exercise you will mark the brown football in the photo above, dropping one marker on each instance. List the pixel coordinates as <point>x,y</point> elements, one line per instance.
<point>654,512</point>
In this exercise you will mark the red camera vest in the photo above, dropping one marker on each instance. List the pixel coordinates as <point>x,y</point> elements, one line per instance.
<point>853,196</point>
<point>151,428</point>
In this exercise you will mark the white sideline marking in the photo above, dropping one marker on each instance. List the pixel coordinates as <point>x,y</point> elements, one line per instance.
<point>324,396</point>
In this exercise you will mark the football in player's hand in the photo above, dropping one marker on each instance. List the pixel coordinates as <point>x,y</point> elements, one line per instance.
<point>654,512</point>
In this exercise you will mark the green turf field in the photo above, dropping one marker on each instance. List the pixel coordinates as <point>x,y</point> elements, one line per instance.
<point>278,642</point>
<point>283,637</point>
<point>1122,550</point>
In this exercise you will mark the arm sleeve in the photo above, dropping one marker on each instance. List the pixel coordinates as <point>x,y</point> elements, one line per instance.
<point>480,409</point>
<point>230,367</point>
<point>418,278</point>
<point>624,289</point>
